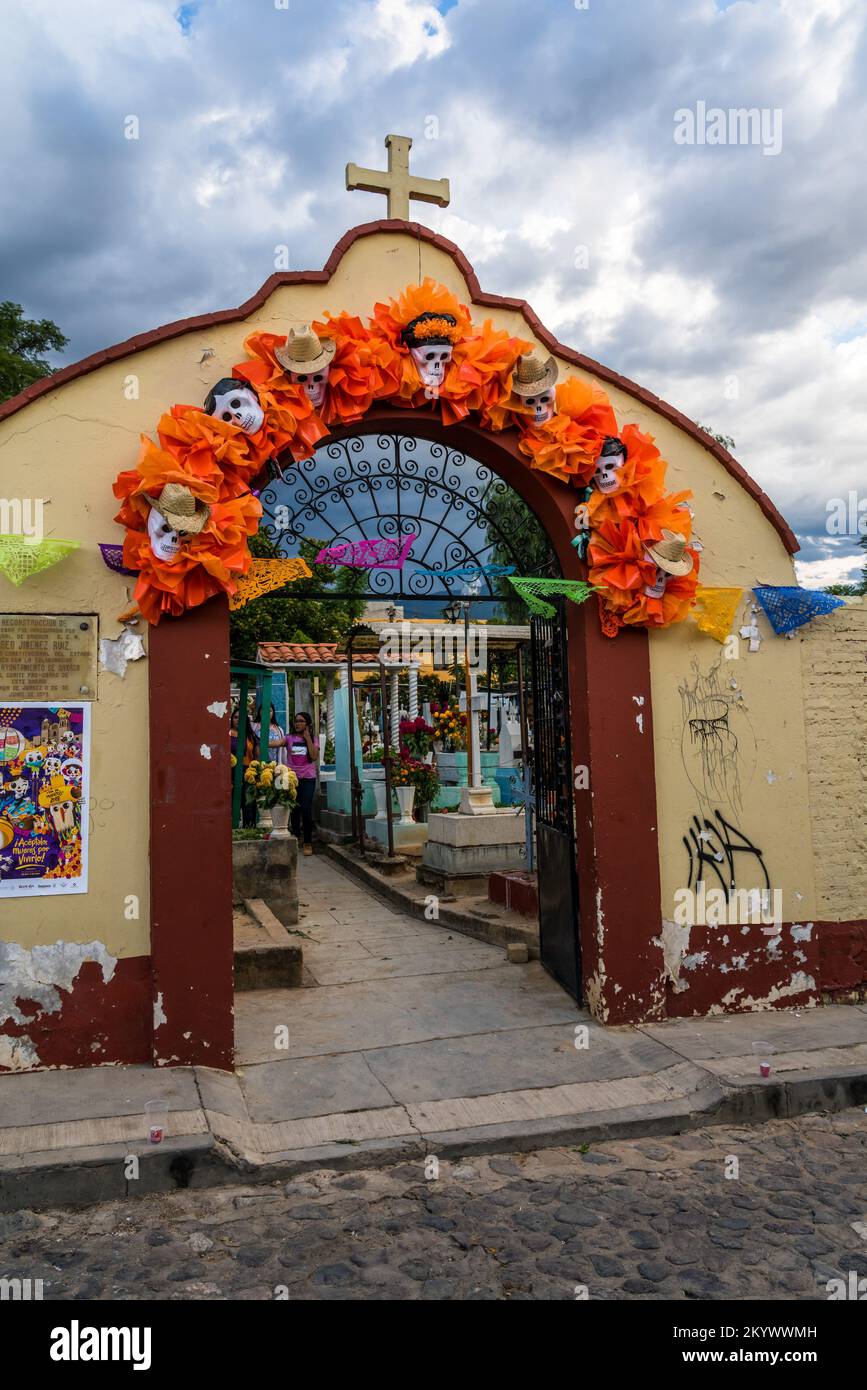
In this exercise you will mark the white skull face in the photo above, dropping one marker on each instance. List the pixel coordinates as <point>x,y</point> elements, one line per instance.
<point>607,468</point>
<point>165,543</point>
<point>432,362</point>
<point>63,816</point>
<point>657,588</point>
<point>73,771</point>
<point>542,406</point>
<point>314,383</point>
<point>19,788</point>
<point>239,407</point>
<point>52,766</point>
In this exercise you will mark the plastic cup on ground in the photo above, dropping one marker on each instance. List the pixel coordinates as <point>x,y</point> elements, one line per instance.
<point>763,1051</point>
<point>155,1120</point>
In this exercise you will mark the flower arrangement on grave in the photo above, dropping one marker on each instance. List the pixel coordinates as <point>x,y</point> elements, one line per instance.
<point>412,772</point>
<point>270,784</point>
<point>417,736</point>
<point>450,727</point>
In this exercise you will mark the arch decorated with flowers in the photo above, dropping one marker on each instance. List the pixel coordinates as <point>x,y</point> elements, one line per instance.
<point>191,504</point>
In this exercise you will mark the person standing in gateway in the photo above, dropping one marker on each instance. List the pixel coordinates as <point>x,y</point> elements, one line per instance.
<point>302,752</point>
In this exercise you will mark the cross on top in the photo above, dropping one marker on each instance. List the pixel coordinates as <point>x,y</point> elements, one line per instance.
<point>398,183</point>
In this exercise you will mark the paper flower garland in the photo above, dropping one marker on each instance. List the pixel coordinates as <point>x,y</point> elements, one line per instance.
<point>189,509</point>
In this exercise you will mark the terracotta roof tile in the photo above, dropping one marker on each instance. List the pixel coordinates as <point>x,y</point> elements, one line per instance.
<point>312,652</point>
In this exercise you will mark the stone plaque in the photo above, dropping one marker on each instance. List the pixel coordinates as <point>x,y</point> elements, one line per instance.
<point>48,656</point>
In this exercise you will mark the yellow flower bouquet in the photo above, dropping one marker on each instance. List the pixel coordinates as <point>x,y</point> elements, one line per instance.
<point>270,784</point>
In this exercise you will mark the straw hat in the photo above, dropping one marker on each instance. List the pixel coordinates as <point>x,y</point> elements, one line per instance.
<point>534,373</point>
<point>670,554</point>
<point>305,351</point>
<point>184,512</point>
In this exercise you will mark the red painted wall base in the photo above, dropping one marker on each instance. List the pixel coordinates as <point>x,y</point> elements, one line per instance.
<point>98,1022</point>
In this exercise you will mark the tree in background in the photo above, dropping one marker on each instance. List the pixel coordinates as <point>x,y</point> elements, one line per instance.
<point>22,343</point>
<point>724,439</point>
<point>860,585</point>
<point>289,614</point>
<point>511,517</point>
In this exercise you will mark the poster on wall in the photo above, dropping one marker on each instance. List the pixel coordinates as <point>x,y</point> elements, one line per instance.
<point>44,789</point>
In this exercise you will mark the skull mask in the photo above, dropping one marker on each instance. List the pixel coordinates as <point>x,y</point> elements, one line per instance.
<point>165,543</point>
<point>52,766</point>
<point>236,403</point>
<point>430,339</point>
<point>542,406</point>
<point>609,463</point>
<point>19,788</point>
<point>657,588</point>
<point>431,362</point>
<point>314,383</point>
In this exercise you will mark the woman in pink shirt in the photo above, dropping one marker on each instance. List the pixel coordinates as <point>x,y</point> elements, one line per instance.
<point>302,753</point>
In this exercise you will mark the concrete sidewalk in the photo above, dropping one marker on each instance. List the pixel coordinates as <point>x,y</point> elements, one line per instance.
<point>410,1039</point>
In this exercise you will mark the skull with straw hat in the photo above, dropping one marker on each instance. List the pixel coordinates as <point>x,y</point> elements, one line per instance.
<point>670,554</point>
<point>305,352</point>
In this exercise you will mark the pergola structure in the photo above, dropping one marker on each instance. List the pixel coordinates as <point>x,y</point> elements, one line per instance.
<point>318,657</point>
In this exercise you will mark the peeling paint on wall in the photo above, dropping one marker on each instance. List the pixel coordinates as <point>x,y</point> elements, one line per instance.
<point>219,708</point>
<point>674,943</point>
<point>802,933</point>
<point>159,1015</point>
<point>692,962</point>
<point>39,975</point>
<point>205,751</point>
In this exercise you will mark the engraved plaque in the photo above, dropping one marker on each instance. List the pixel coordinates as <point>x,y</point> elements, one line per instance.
<point>48,656</point>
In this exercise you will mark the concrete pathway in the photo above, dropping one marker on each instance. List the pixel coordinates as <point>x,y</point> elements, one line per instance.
<point>408,1039</point>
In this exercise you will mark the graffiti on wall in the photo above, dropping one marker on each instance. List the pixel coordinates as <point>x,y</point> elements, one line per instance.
<point>718,846</point>
<point>718,749</point>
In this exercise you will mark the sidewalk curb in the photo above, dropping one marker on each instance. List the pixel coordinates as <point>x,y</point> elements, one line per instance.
<point>82,1177</point>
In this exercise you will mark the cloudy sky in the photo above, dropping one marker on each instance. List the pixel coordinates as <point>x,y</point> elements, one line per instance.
<point>727,275</point>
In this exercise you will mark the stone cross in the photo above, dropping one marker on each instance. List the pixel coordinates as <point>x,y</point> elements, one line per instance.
<point>398,183</point>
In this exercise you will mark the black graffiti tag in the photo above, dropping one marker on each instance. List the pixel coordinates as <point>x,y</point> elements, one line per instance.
<point>718,845</point>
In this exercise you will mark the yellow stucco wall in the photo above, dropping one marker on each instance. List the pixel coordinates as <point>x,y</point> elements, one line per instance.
<point>69,445</point>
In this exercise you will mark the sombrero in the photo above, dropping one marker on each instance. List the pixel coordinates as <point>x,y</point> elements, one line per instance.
<point>184,512</point>
<point>533,374</point>
<point>305,351</point>
<point>670,553</point>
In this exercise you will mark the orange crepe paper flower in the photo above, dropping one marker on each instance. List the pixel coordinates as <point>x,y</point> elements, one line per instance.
<point>615,560</point>
<point>208,447</point>
<point>401,384</point>
<point>667,513</point>
<point>642,480</point>
<point>156,467</point>
<point>482,379</point>
<point>208,563</point>
<point>290,420</point>
<point>568,445</point>
<point>676,601</point>
<point>355,376</point>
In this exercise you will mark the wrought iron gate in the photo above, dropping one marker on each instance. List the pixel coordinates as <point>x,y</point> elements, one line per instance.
<point>555,817</point>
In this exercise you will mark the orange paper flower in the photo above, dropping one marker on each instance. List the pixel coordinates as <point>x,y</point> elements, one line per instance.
<point>567,446</point>
<point>208,563</point>
<point>290,419</point>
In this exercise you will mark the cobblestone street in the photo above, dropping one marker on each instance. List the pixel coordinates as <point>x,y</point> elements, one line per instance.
<point>653,1219</point>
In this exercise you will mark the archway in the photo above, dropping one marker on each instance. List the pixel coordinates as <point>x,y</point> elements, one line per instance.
<point>615,806</point>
